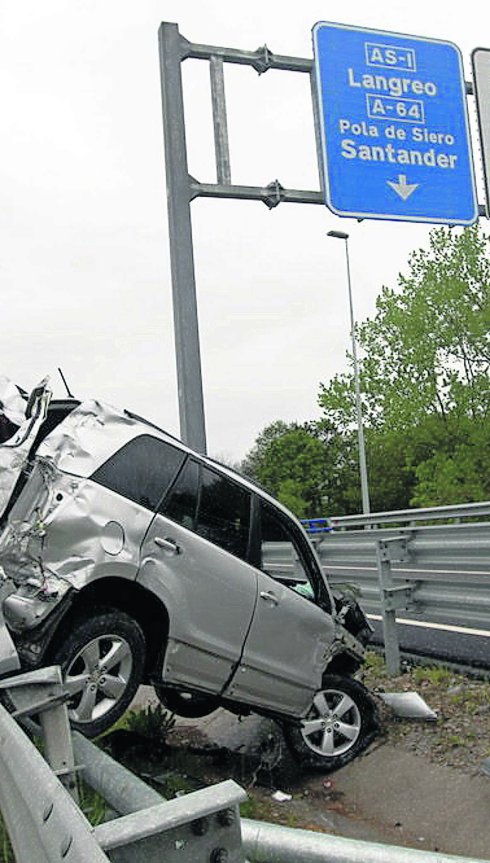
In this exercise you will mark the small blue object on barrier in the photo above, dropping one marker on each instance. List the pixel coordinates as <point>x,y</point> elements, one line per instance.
<point>316,525</point>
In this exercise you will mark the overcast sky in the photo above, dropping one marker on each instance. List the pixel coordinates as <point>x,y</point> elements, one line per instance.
<point>84,266</point>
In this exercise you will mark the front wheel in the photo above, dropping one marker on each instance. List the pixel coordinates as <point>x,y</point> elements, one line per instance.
<point>341,722</point>
<point>102,659</point>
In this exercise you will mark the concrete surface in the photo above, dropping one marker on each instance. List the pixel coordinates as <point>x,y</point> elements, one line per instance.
<point>442,808</point>
<point>386,795</point>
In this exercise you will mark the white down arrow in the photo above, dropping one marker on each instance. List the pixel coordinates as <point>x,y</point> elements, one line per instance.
<point>403,188</point>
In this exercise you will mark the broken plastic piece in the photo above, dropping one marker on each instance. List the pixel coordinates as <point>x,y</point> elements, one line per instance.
<point>408,705</point>
<point>281,797</point>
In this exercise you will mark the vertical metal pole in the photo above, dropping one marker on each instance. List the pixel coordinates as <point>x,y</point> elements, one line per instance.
<point>222,150</point>
<point>360,427</point>
<point>58,746</point>
<point>390,634</point>
<point>317,127</point>
<point>189,376</point>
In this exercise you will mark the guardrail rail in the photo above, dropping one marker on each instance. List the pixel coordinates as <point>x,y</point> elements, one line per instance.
<point>432,562</point>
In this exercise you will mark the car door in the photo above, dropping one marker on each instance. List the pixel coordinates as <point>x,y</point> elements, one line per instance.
<point>286,648</point>
<point>195,558</point>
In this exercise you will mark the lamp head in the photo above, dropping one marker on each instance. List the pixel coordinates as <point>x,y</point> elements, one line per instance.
<point>338,234</point>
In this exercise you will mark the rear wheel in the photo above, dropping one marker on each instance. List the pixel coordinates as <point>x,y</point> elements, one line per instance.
<point>102,660</point>
<point>341,722</point>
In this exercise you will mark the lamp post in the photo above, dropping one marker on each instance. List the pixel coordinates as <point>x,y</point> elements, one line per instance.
<point>339,235</point>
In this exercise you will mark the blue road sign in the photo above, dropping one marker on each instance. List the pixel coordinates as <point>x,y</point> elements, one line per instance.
<point>393,124</point>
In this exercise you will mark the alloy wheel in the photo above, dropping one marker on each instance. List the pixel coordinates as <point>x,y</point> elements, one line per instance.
<point>334,723</point>
<point>97,677</point>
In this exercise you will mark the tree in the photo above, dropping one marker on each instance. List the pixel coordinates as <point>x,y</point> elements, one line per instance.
<point>291,462</point>
<point>425,378</point>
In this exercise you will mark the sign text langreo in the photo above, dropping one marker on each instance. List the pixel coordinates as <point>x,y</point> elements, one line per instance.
<point>394,126</point>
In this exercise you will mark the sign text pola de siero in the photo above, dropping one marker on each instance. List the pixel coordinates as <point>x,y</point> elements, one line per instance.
<point>394,126</point>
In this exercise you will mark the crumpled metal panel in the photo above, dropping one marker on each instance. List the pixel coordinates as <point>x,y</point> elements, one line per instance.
<point>14,453</point>
<point>12,405</point>
<point>76,445</point>
<point>65,530</point>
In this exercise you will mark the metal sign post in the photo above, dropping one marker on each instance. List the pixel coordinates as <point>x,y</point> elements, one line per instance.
<point>440,189</point>
<point>394,126</point>
<point>187,349</point>
<point>481,76</point>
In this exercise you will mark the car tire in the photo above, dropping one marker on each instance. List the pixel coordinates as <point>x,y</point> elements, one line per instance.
<point>187,704</point>
<point>341,722</point>
<point>102,659</point>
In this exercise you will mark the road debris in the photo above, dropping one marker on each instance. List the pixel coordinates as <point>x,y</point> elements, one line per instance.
<point>281,797</point>
<point>408,705</point>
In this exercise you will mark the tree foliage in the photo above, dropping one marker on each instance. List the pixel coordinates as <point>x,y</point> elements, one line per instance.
<point>425,377</point>
<point>425,383</point>
<point>290,461</point>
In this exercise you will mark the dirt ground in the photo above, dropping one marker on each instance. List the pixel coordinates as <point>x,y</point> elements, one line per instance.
<point>460,737</point>
<point>419,784</point>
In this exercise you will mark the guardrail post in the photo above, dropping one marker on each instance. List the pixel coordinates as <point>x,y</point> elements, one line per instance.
<point>43,822</point>
<point>390,634</point>
<point>41,693</point>
<point>58,746</point>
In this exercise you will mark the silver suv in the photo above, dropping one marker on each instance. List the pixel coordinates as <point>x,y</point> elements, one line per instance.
<point>128,558</point>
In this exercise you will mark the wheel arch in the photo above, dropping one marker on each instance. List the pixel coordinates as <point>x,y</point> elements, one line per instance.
<point>343,664</point>
<point>136,601</point>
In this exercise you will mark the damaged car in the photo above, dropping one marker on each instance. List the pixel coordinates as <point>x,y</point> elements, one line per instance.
<point>127,558</point>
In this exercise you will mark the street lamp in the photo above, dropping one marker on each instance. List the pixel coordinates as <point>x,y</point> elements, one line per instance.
<point>339,235</point>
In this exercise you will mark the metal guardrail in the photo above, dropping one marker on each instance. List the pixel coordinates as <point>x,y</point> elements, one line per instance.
<point>271,843</point>
<point>202,825</point>
<point>262,842</point>
<point>42,820</point>
<point>404,561</point>
<point>412,516</point>
<point>398,560</point>
<point>46,825</point>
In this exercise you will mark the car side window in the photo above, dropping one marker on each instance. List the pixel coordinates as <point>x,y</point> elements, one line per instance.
<point>141,470</point>
<point>212,506</point>
<point>224,513</point>
<point>280,555</point>
<point>181,503</point>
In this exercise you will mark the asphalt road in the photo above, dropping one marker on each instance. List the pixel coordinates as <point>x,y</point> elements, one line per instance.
<point>446,639</point>
<point>447,642</point>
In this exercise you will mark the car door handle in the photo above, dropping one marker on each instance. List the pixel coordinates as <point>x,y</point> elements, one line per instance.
<point>269,596</point>
<point>167,544</point>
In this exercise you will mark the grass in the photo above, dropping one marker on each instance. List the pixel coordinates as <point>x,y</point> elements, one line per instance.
<point>6,853</point>
<point>267,810</point>
<point>92,804</point>
<point>435,674</point>
<point>154,723</point>
<point>375,663</point>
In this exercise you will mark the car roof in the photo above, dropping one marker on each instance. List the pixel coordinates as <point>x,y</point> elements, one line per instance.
<point>67,410</point>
